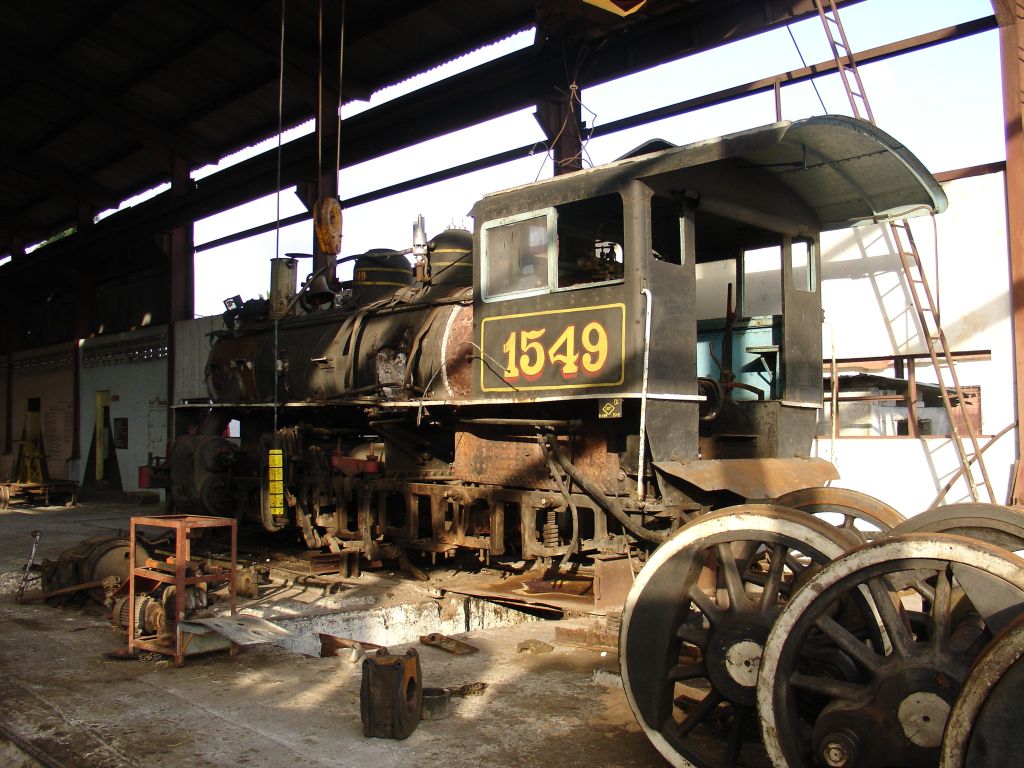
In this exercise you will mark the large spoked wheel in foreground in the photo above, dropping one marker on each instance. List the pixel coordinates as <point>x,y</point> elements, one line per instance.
<point>831,696</point>
<point>985,727</point>
<point>858,513</point>
<point>696,620</point>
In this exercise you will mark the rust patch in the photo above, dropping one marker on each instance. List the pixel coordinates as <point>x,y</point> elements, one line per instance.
<point>519,462</point>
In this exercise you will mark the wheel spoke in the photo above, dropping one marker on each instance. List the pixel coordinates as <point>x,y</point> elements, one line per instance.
<point>693,635</point>
<point>833,689</point>
<point>704,708</point>
<point>729,571</point>
<point>895,627</point>
<point>770,595</point>
<point>682,672</point>
<point>795,565</point>
<point>705,604</point>
<point>941,604</point>
<point>739,723</point>
<point>848,643</point>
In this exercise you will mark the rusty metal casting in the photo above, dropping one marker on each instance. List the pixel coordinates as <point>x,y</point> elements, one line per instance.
<point>450,644</point>
<point>391,694</point>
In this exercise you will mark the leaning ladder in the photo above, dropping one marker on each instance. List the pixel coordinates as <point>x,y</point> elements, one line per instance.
<point>969,452</point>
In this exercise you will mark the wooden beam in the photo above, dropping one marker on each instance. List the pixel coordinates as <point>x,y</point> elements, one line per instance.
<point>1011,42</point>
<point>1005,12</point>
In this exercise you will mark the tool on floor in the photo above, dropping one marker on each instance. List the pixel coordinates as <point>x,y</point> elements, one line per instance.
<point>27,575</point>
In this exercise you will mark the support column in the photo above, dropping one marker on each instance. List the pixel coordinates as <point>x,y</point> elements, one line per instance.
<point>182,252</point>
<point>559,118</point>
<point>182,298</point>
<point>1011,38</point>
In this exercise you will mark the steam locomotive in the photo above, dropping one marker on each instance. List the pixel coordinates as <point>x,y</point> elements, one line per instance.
<point>624,361</point>
<point>610,353</point>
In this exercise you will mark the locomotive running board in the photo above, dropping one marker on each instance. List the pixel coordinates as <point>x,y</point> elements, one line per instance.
<point>752,478</point>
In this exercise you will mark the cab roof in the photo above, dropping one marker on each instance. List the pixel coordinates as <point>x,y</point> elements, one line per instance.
<point>843,171</point>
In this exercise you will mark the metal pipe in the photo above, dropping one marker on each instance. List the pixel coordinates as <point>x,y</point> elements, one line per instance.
<point>570,424</point>
<point>643,396</point>
<point>603,501</point>
<point>574,539</point>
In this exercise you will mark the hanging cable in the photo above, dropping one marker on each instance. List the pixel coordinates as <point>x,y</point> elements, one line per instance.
<point>341,70</point>
<point>814,85</point>
<point>277,225</point>
<point>319,100</point>
<point>573,112</point>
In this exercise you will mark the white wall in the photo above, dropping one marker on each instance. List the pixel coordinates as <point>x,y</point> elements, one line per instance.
<point>191,348</point>
<point>868,313</point>
<point>133,367</point>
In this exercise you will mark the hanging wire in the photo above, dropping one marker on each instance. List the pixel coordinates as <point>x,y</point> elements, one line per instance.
<point>277,225</point>
<point>572,115</point>
<point>341,69</point>
<point>814,84</point>
<point>319,99</point>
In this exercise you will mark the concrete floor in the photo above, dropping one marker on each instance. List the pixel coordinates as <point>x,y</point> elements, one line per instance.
<point>270,707</point>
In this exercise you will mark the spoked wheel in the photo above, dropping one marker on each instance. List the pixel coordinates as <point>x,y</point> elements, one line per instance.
<point>862,515</point>
<point>831,696</point>
<point>991,523</point>
<point>695,622</point>
<point>984,729</point>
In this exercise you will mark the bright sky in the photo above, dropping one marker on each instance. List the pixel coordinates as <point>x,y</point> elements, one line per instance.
<point>944,103</point>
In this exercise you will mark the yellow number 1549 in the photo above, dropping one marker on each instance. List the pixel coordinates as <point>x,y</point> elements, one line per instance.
<point>526,356</point>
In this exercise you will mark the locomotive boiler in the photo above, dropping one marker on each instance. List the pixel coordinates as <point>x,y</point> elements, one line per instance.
<point>625,362</point>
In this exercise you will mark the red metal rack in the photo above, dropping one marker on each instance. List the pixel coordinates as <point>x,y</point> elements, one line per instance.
<point>182,525</point>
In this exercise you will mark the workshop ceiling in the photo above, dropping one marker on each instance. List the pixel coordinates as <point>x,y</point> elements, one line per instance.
<point>101,101</point>
<point>98,99</point>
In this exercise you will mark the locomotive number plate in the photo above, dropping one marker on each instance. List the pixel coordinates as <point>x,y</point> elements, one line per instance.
<point>555,349</point>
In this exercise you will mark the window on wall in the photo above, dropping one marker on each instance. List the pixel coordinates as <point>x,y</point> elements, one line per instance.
<point>802,263</point>
<point>575,245</point>
<point>518,253</point>
<point>716,282</point>
<point>886,397</point>
<point>590,241</point>
<point>667,226</point>
<point>762,286</point>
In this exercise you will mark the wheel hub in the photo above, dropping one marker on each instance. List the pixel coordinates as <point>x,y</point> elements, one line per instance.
<point>734,659</point>
<point>923,716</point>
<point>902,723</point>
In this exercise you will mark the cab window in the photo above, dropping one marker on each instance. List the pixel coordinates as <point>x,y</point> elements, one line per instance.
<point>518,253</point>
<point>570,246</point>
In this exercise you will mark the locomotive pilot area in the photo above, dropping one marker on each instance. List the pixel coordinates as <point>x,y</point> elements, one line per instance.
<point>656,446</point>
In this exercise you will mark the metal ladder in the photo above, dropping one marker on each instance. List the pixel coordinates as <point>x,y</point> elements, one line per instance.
<point>848,71</point>
<point>969,453</point>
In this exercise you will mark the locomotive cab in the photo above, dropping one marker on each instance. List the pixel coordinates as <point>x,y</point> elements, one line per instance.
<point>674,297</point>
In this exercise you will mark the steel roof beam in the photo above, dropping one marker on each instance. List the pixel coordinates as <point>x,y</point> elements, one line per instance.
<point>497,88</point>
<point>45,172</point>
